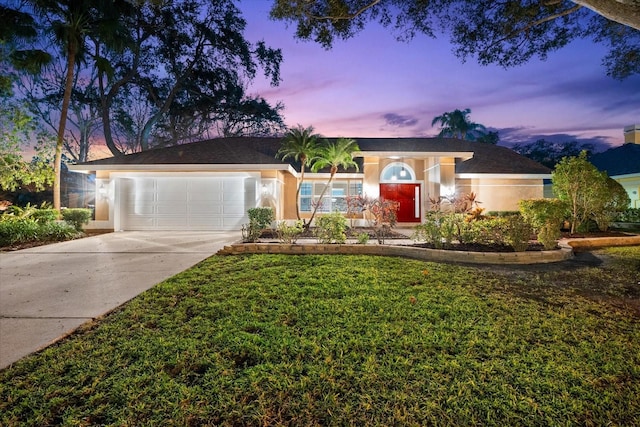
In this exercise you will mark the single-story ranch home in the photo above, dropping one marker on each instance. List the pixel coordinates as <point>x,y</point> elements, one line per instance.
<point>210,185</point>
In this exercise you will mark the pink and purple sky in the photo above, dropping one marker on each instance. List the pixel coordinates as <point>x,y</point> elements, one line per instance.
<point>375,86</point>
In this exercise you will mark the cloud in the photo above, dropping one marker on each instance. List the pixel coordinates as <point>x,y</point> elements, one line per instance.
<point>399,120</point>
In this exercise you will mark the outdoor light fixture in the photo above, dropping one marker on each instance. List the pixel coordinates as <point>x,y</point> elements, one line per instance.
<point>102,191</point>
<point>403,172</point>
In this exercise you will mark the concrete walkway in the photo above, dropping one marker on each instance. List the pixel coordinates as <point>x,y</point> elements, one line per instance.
<point>48,291</point>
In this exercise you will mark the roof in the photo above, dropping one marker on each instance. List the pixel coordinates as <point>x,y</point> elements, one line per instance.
<point>623,160</point>
<point>475,157</point>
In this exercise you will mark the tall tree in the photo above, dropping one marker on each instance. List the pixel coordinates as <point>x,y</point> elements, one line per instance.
<point>17,34</point>
<point>456,124</point>
<point>502,32</point>
<point>301,145</point>
<point>188,63</point>
<point>69,22</point>
<point>333,155</point>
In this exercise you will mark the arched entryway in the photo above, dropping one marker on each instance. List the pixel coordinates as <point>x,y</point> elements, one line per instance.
<point>398,182</point>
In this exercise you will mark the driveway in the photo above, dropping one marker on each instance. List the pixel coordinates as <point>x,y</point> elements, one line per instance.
<point>48,291</point>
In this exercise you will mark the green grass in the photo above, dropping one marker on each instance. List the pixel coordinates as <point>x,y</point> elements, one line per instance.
<point>348,340</point>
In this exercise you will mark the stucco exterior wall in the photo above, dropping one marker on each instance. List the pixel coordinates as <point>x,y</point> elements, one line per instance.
<point>500,194</point>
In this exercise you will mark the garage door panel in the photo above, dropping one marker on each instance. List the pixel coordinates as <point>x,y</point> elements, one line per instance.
<point>180,203</point>
<point>205,207</point>
<point>170,222</point>
<point>164,208</point>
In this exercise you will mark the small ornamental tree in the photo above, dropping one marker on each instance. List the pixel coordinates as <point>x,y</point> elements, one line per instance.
<point>333,155</point>
<point>299,144</point>
<point>611,200</point>
<point>580,184</point>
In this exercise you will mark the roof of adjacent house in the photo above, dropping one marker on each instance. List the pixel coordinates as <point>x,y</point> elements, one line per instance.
<point>474,157</point>
<point>623,160</point>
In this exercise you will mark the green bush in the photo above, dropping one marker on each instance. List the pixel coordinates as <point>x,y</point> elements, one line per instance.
<point>629,215</point>
<point>58,232</point>
<point>261,217</point>
<point>545,217</point>
<point>77,217</point>
<point>363,238</point>
<point>17,231</point>
<point>517,232</point>
<point>43,216</point>
<point>488,231</point>
<point>331,228</point>
<point>26,230</point>
<point>289,233</point>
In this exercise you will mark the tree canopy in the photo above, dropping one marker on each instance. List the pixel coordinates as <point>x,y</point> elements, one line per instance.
<point>507,33</point>
<point>550,153</point>
<point>457,124</point>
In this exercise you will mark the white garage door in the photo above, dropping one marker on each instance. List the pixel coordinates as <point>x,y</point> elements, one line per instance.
<point>177,203</point>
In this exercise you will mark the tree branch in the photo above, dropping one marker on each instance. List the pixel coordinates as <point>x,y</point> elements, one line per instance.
<point>538,22</point>
<point>343,17</point>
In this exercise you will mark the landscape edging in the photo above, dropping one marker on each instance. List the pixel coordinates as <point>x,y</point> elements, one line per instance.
<point>530,257</point>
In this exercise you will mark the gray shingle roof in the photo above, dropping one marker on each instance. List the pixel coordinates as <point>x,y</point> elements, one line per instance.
<point>621,160</point>
<point>487,158</point>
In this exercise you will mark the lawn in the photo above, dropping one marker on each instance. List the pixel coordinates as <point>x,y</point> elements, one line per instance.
<point>349,340</point>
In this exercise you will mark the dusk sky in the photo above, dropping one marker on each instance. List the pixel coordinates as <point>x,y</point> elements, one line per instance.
<point>373,85</point>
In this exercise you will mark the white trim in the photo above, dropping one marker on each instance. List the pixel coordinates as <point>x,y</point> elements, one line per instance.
<point>174,174</point>
<point>503,176</point>
<point>627,175</point>
<point>414,154</point>
<point>182,167</point>
<point>308,175</point>
<point>458,184</point>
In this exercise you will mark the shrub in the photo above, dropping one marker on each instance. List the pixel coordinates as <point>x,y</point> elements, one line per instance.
<point>261,217</point>
<point>43,216</point>
<point>331,228</point>
<point>26,230</point>
<point>429,231</point>
<point>57,232</point>
<point>545,216</point>
<point>77,217</point>
<point>289,233</point>
<point>17,231</point>
<point>628,215</point>
<point>363,238</point>
<point>517,232</point>
<point>612,199</point>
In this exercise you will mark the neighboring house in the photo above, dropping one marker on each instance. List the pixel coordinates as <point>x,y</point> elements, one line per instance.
<point>210,185</point>
<point>623,163</point>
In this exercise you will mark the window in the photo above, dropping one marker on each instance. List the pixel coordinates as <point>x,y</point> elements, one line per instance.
<point>334,199</point>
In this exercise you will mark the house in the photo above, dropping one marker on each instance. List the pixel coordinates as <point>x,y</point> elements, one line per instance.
<point>210,185</point>
<point>623,163</point>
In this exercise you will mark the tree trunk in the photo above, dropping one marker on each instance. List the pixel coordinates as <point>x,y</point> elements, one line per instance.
<point>57,163</point>
<point>324,190</point>
<point>625,12</point>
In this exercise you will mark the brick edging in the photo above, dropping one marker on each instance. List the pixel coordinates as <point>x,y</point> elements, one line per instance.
<point>530,257</point>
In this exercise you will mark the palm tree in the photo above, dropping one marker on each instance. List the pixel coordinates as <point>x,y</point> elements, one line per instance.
<point>334,155</point>
<point>456,124</point>
<point>71,23</point>
<point>300,144</point>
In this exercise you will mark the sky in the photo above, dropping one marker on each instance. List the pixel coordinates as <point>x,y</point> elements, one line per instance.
<point>375,86</point>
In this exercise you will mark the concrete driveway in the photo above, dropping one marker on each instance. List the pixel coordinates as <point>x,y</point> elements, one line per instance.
<point>48,291</point>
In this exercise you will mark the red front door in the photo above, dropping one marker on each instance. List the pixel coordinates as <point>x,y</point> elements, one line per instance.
<point>408,195</point>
